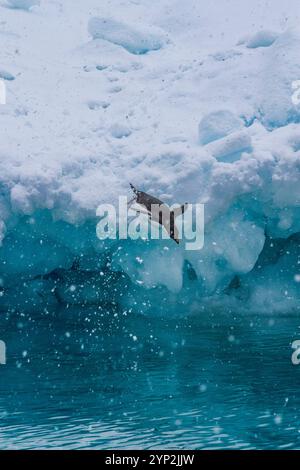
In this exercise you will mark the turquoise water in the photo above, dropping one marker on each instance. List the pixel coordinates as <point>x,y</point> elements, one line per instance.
<point>91,378</point>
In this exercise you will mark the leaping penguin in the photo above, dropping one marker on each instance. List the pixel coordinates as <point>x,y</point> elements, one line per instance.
<point>162,215</point>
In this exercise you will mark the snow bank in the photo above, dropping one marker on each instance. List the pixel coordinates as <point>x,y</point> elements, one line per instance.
<point>133,40</point>
<point>218,124</point>
<point>200,119</point>
<point>22,4</point>
<point>260,39</point>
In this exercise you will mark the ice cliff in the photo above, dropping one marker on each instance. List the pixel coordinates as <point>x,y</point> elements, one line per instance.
<point>192,101</point>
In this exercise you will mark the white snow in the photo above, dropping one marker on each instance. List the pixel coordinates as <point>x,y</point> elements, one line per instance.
<point>218,124</point>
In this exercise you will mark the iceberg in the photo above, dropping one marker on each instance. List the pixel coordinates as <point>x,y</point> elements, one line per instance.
<point>149,96</point>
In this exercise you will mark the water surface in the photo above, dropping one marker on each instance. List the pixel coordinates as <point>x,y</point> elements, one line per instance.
<point>90,378</point>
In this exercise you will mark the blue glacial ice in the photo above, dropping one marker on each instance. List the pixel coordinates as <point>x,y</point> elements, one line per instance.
<point>179,112</point>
